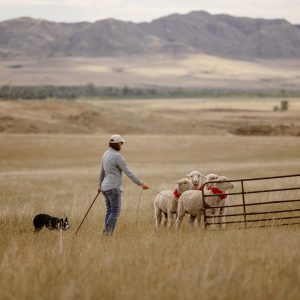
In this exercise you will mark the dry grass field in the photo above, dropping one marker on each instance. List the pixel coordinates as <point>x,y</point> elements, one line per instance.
<point>181,116</point>
<point>57,173</point>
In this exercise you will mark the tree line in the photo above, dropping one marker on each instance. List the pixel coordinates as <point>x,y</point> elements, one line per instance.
<point>92,91</point>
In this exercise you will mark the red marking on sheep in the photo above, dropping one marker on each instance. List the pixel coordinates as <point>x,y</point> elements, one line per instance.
<point>176,193</point>
<point>216,191</point>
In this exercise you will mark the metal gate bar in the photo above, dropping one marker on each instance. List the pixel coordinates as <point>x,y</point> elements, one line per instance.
<point>252,192</point>
<point>276,225</point>
<point>258,220</point>
<point>265,178</point>
<point>257,213</point>
<point>244,203</point>
<point>257,203</point>
<point>269,202</point>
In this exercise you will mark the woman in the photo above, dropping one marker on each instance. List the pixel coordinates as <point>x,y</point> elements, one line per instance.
<point>110,181</point>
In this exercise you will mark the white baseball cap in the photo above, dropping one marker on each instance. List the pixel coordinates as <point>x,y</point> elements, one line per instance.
<point>116,139</point>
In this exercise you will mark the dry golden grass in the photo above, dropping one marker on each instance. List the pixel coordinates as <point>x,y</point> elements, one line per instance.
<point>57,174</point>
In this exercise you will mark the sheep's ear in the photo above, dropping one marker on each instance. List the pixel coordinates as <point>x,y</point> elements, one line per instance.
<point>188,175</point>
<point>175,181</point>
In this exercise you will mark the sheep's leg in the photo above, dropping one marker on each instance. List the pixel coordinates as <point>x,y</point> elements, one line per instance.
<point>221,218</point>
<point>211,213</point>
<point>165,220</point>
<point>180,214</point>
<point>192,220</point>
<point>198,221</point>
<point>170,219</point>
<point>157,217</point>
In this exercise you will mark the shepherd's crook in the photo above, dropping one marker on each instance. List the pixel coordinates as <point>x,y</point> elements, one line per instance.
<point>87,212</point>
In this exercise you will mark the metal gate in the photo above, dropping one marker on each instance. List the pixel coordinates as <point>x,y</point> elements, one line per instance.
<point>260,202</point>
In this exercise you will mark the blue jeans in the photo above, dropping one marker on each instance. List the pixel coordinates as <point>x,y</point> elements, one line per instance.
<point>113,207</point>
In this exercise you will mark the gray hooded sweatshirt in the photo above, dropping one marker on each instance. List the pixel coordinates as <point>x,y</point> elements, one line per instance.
<point>112,166</point>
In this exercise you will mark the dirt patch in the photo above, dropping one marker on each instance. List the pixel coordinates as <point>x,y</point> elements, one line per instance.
<point>9,124</point>
<point>268,130</point>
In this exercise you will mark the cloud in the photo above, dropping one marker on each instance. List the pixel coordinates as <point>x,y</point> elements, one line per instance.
<point>26,2</point>
<point>78,3</point>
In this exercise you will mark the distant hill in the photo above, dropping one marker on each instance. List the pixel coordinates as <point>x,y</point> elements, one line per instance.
<point>196,32</point>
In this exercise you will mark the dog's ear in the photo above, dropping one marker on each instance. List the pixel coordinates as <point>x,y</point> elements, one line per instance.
<point>66,219</point>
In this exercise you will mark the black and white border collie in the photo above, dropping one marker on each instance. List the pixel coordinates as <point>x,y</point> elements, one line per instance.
<point>52,223</point>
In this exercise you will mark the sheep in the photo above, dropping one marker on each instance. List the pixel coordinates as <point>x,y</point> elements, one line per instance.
<point>208,178</point>
<point>197,179</point>
<point>166,202</point>
<point>216,188</point>
<point>191,202</point>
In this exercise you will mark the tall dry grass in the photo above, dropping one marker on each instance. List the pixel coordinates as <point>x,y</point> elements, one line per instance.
<point>58,175</point>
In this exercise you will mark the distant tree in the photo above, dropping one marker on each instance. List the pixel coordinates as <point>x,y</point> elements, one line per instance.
<point>5,92</point>
<point>91,90</point>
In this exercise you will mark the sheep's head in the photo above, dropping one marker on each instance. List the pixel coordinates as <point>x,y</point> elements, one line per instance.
<point>224,186</point>
<point>196,178</point>
<point>184,185</point>
<point>211,177</point>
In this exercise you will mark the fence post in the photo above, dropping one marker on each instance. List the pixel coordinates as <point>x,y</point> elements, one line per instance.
<point>204,209</point>
<point>244,206</point>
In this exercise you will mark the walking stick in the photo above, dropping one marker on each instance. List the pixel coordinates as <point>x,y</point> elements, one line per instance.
<point>87,212</point>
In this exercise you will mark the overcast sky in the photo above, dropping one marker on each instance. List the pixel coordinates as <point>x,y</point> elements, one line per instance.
<point>144,10</point>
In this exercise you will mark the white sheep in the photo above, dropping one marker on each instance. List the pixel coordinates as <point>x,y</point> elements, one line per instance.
<point>208,178</point>
<point>217,188</point>
<point>191,202</point>
<point>197,179</point>
<point>167,201</point>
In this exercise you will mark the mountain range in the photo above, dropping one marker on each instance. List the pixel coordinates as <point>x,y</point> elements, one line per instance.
<point>177,34</point>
